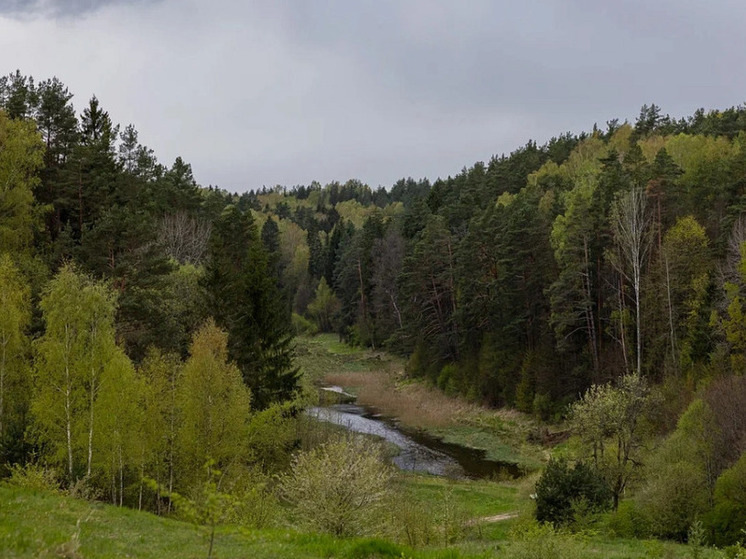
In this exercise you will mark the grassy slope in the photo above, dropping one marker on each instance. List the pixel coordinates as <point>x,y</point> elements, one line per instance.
<point>40,524</point>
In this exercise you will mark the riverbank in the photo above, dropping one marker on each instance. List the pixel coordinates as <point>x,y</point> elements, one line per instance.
<point>377,380</point>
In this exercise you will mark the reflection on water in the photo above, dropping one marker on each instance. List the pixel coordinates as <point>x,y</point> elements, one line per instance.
<point>418,451</point>
<point>413,456</point>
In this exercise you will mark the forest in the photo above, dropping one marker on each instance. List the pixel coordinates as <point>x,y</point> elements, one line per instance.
<point>594,283</point>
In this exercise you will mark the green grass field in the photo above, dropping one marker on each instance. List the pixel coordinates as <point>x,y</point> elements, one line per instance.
<point>38,524</point>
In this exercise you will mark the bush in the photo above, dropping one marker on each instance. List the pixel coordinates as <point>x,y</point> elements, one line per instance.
<point>543,407</point>
<point>674,498</point>
<point>448,380</point>
<point>532,541</point>
<point>560,486</point>
<point>628,521</point>
<point>256,505</point>
<point>725,522</point>
<point>33,476</point>
<point>412,523</point>
<point>302,326</point>
<point>339,487</point>
<point>677,491</point>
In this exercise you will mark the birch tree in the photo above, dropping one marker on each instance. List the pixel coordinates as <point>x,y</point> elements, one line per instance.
<point>160,376</point>
<point>630,223</point>
<point>119,424</point>
<point>73,360</point>
<point>214,404</point>
<point>20,157</point>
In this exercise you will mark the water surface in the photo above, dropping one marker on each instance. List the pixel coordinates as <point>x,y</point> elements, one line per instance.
<point>418,451</point>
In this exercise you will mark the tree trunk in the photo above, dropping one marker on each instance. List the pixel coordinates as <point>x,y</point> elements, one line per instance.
<point>68,406</point>
<point>672,332</point>
<point>90,426</point>
<point>2,385</point>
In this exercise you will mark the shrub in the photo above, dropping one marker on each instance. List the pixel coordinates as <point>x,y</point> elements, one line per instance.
<point>256,505</point>
<point>678,486</point>
<point>33,476</point>
<point>302,326</point>
<point>542,406</point>
<point>674,498</point>
<point>727,519</point>
<point>412,523</point>
<point>628,521</point>
<point>532,541</point>
<point>339,487</point>
<point>448,379</point>
<point>562,485</point>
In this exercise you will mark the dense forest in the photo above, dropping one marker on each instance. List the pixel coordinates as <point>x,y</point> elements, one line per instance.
<point>598,280</point>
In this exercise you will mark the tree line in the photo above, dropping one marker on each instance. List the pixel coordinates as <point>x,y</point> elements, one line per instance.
<point>142,332</point>
<point>526,280</point>
<point>129,292</point>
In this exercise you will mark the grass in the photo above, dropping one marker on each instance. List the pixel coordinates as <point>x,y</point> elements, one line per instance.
<point>476,499</point>
<point>40,524</point>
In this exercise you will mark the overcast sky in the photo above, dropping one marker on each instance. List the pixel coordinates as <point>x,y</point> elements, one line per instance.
<point>256,93</point>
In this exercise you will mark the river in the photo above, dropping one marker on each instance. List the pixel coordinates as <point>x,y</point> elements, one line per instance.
<point>417,451</point>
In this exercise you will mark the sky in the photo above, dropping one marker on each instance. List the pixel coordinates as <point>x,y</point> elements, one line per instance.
<point>257,93</point>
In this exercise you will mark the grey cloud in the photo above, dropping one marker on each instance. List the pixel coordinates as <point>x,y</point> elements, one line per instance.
<point>478,54</point>
<point>60,8</point>
<point>267,92</point>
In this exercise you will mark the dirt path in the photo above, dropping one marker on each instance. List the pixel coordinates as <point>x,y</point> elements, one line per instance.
<point>499,517</point>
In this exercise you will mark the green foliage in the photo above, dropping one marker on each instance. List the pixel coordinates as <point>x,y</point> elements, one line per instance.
<point>21,152</point>
<point>562,485</point>
<point>679,477</point>
<point>511,283</point>
<point>271,435</point>
<point>76,357</point>
<point>160,378</point>
<point>727,520</point>
<point>35,477</point>
<point>610,421</point>
<point>628,521</point>
<point>302,326</point>
<point>256,504</point>
<point>14,320</point>
<point>324,307</point>
<point>448,379</point>
<point>245,301</point>
<point>412,523</point>
<point>117,446</point>
<point>339,487</point>
<point>214,405</point>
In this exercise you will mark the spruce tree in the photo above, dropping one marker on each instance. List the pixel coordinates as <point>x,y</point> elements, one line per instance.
<point>245,301</point>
